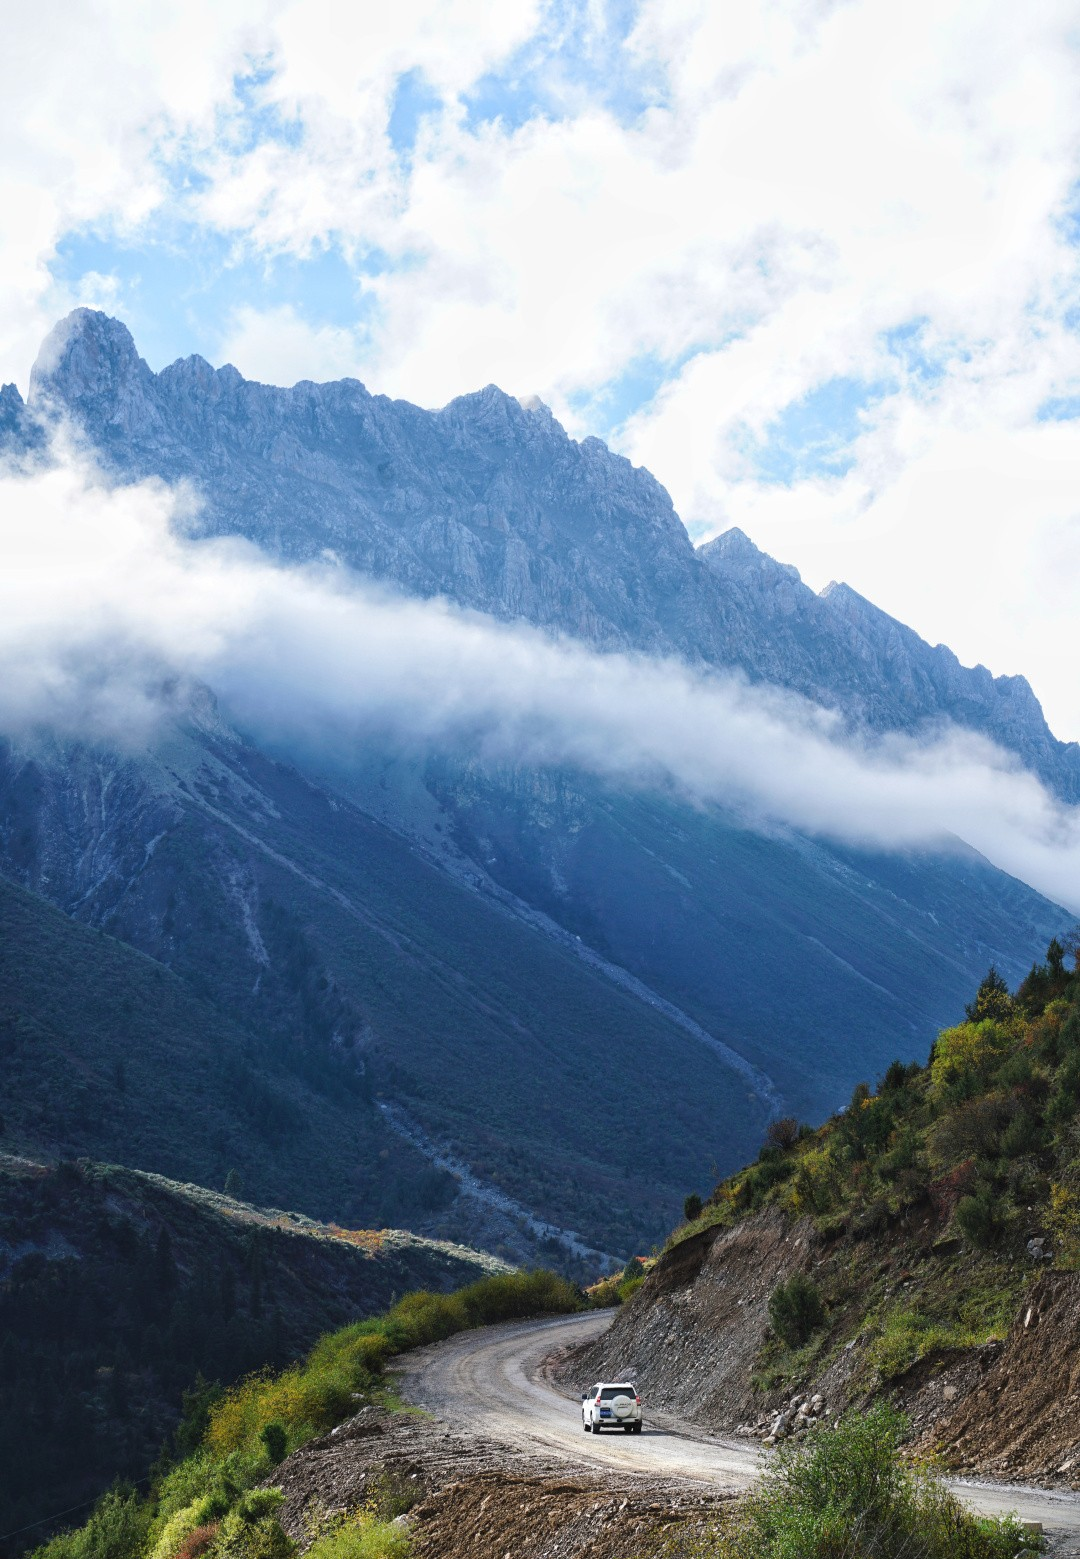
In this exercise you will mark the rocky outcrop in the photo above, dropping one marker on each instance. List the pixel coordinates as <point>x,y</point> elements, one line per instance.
<point>840,650</point>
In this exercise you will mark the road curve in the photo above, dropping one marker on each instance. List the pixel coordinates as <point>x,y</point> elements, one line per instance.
<point>492,1383</point>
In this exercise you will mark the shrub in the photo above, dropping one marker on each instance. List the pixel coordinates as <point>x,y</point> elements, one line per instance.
<point>973,1130</point>
<point>980,1219</point>
<point>199,1541</point>
<point>783,1134</point>
<point>252,1530</point>
<point>175,1535</point>
<point>796,1310</point>
<point>692,1207</point>
<point>1063,1222</point>
<point>964,1057</point>
<point>363,1537</point>
<point>1023,1135</point>
<point>275,1440</point>
<point>117,1530</point>
<point>847,1493</point>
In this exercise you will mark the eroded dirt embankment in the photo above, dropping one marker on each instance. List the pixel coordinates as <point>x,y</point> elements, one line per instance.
<point>468,1497</point>
<point>1021,1419</point>
<point>690,1336</point>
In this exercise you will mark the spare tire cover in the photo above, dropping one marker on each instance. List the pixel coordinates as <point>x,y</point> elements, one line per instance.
<point>623,1407</point>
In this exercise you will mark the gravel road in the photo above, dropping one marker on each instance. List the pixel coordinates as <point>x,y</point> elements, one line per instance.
<point>494,1383</point>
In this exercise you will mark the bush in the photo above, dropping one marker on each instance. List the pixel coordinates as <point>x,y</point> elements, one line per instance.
<point>980,1219</point>
<point>783,1134</point>
<point>847,1494</point>
<point>275,1440</point>
<point>252,1530</point>
<point>176,1534</point>
<point>365,1537</point>
<point>796,1310</point>
<point>692,1207</point>
<point>199,1541</point>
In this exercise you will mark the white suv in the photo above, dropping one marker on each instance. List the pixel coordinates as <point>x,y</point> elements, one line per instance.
<point>619,1406</point>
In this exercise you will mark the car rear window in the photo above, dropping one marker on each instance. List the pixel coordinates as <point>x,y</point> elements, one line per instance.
<point>610,1392</point>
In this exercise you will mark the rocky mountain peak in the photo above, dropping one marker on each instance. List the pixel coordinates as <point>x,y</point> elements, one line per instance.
<point>88,355</point>
<point>12,407</point>
<point>733,555</point>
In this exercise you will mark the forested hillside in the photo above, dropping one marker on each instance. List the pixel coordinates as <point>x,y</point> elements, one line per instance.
<point>123,1294</point>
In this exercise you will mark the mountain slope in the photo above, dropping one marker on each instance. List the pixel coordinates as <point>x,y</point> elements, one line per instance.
<point>107,1053</point>
<point>801,954</point>
<point>924,1242</point>
<point>365,974</point>
<point>478,965</point>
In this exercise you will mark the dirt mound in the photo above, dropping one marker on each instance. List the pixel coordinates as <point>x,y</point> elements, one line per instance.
<point>493,1514</point>
<point>471,1498</point>
<point>1021,1418</point>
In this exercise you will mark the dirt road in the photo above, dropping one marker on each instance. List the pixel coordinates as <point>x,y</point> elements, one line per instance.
<point>493,1383</point>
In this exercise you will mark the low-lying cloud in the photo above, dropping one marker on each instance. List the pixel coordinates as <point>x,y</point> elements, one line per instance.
<point>106,597</point>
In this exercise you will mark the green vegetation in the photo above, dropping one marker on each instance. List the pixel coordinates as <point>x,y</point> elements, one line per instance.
<point>209,1502</point>
<point>795,1310</point>
<point>620,1286</point>
<point>363,1537</point>
<point>926,1192</point>
<point>119,1289</point>
<point>848,1494</point>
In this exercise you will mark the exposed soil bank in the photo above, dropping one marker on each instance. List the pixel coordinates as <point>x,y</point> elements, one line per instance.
<point>473,1498</point>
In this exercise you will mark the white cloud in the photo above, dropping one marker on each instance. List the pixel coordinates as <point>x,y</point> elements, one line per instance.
<point>277,346</point>
<point>102,599</point>
<point>92,94</point>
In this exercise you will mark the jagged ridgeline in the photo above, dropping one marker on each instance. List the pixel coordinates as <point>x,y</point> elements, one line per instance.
<point>924,1241</point>
<point>478,966</point>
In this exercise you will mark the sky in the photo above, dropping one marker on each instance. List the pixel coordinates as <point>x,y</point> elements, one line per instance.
<point>814,264</point>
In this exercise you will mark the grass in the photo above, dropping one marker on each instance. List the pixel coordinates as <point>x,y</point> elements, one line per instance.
<point>965,1310</point>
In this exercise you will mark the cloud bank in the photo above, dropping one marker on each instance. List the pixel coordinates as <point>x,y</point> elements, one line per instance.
<point>106,598</point>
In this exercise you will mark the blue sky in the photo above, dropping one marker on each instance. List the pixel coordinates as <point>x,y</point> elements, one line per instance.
<point>815,265</point>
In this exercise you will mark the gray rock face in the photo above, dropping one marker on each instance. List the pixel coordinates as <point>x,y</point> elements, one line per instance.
<point>494,506</point>
<point>842,651</point>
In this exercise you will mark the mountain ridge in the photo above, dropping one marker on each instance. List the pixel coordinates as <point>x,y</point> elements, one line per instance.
<point>496,507</point>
